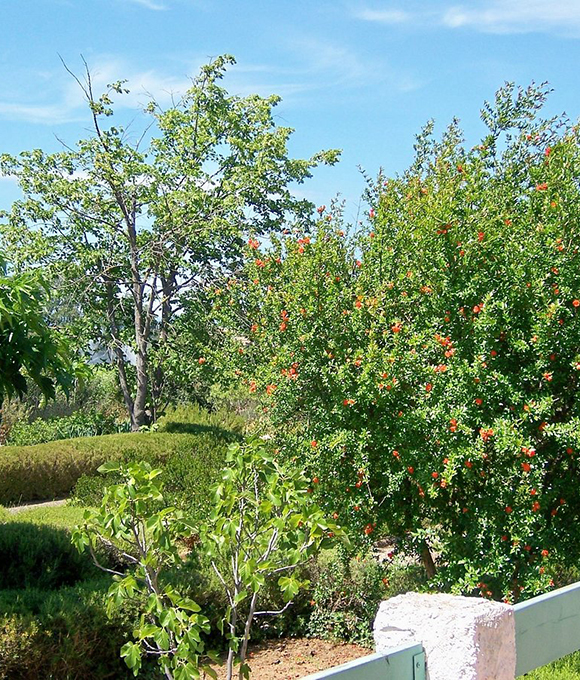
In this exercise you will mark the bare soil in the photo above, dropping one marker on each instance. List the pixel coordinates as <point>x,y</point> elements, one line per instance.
<point>295,658</point>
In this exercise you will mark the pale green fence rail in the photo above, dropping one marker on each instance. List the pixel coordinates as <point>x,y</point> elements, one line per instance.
<point>402,663</point>
<point>547,628</point>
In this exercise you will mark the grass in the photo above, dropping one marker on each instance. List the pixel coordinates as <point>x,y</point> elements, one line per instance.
<point>567,668</point>
<point>61,516</point>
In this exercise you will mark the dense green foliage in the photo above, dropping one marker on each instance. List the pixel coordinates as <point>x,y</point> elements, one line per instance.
<point>427,370</point>
<point>43,557</point>
<point>63,634</point>
<point>78,424</point>
<point>28,347</point>
<point>155,221</point>
<point>51,470</point>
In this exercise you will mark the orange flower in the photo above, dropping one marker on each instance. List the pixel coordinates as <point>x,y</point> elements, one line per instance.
<point>369,529</point>
<point>270,389</point>
<point>201,361</point>
<point>485,434</point>
<point>479,401</point>
<point>348,402</point>
<point>253,386</point>
<point>283,326</point>
<point>576,303</point>
<point>396,327</point>
<point>428,387</point>
<point>253,243</point>
<point>254,327</point>
<point>535,506</point>
<point>480,236</point>
<point>542,187</point>
<point>526,467</point>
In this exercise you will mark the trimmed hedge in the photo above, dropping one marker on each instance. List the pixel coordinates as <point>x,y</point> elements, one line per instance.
<point>50,470</point>
<point>34,556</point>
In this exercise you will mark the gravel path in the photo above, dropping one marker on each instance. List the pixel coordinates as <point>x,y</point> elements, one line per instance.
<point>40,504</point>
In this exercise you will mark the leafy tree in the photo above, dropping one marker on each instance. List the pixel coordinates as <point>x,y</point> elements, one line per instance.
<point>129,224</point>
<point>28,347</point>
<point>264,527</point>
<point>427,370</point>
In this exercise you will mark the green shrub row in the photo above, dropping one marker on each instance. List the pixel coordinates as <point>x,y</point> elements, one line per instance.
<point>79,424</point>
<point>50,470</point>
<point>35,556</point>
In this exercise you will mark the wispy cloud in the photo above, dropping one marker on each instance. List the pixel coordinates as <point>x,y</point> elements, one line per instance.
<point>384,16</point>
<point>149,4</point>
<point>312,66</point>
<point>485,16</point>
<point>67,101</point>
<point>317,65</point>
<point>516,16</point>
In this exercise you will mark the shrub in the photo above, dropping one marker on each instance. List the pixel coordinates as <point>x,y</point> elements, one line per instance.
<point>51,470</point>
<point>427,370</point>
<point>63,634</point>
<point>346,592</point>
<point>79,424</point>
<point>196,420</point>
<point>33,556</point>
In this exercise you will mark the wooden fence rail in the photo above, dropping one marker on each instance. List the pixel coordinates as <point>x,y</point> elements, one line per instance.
<point>547,628</point>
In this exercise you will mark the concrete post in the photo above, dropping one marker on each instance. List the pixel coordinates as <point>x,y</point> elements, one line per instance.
<point>465,638</point>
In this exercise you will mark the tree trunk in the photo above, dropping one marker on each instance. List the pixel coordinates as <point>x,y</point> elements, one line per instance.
<point>427,560</point>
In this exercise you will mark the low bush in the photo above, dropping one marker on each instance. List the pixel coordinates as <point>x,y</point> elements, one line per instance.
<point>79,424</point>
<point>33,556</point>
<point>63,634</point>
<point>193,419</point>
<point>346,592</point>
<point>50,470</point>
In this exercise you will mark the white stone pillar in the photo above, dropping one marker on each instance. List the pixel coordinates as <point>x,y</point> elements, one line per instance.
<point>465,638</point>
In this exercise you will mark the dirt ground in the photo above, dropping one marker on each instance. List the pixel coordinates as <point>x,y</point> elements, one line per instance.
<point>290,659</point>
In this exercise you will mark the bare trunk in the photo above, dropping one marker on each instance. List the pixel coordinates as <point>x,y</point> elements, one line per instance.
<point>427,560</point>
<point>158,377</point>
<point>139,415</point>
<point>244,650</point>
<point>118,353</point>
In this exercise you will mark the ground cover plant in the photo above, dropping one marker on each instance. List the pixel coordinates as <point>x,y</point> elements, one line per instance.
<point>426,368</point>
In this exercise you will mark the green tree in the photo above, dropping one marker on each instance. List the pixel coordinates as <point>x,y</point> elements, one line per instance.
<point>29,348</point>
<point>128,226</point>
<point>264,527</point>
<point>427,370</point>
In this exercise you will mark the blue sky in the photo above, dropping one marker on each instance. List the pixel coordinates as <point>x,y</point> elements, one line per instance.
<point>360,76</point>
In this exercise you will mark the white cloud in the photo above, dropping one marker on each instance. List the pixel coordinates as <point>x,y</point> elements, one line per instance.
<point>383,16</point>
<point>37,113</point>
<point>516,16</point>
<point>486,16</point>
<point>149,4</point>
